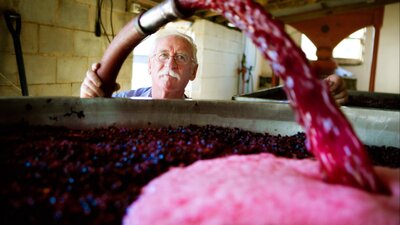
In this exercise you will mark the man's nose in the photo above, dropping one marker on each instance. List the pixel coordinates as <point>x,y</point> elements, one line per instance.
<point>171,63</point>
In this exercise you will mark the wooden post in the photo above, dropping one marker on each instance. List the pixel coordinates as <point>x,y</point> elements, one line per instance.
<point>377,32</point>
<point>326,32</point>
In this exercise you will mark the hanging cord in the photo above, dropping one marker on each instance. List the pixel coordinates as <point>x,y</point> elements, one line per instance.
<point>97,28</point>
<point>100,21</point>
<point>111,20</point>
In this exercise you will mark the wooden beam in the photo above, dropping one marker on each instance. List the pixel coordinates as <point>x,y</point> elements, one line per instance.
<point>209,14</point>
<point>330,11</point>
<point>221,20</point>
<point>377,32</point>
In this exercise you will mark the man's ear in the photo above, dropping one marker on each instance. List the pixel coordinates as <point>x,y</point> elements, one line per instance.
<point>194,72</point>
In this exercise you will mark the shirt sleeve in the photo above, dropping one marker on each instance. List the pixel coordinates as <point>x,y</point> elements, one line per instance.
<point>141,92</point>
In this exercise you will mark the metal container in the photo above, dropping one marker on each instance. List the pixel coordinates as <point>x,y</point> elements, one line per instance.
<point>359,99</point>
<point>374,127</point>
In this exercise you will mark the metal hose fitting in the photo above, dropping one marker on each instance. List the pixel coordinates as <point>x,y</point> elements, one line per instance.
<point>150,21</point>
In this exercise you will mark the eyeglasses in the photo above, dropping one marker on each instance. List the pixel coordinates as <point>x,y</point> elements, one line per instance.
<point>179,58</point>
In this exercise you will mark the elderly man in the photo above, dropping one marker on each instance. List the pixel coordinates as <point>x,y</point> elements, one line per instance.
<point>171,65</point>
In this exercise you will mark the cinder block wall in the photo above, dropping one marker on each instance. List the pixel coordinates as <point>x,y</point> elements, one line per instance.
<point>219,54</point>
<point>58,44</point>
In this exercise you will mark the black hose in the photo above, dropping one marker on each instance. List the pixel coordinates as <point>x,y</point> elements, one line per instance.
<point>10,18</point>
<point>97,28</point>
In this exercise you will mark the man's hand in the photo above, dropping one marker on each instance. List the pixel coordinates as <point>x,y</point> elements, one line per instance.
<point>337,88</point>
<point>91,85</point>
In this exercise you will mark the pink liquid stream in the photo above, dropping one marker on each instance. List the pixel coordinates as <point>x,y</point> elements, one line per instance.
<point>330,136</point>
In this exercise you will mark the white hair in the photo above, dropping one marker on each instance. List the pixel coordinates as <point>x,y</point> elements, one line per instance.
<point>166,33</point>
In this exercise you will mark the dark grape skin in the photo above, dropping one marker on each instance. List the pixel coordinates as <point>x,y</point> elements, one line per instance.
<point>64,176</point>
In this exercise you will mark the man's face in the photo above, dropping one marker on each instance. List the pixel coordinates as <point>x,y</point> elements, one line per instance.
<point>167,67</point>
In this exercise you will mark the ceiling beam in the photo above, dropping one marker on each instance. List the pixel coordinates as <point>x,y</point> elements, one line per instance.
<point>208,14</point>
<point>330,11</point>
<point>288,10</point>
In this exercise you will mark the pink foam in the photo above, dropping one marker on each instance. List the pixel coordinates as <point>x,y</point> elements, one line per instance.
<point>261,189</point>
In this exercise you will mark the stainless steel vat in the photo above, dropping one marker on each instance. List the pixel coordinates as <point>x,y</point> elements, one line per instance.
<point>359,99</point>
<point>374,127</point>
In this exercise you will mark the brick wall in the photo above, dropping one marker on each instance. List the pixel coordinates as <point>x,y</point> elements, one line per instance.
<point>219,53</point>
<point>58,44</point>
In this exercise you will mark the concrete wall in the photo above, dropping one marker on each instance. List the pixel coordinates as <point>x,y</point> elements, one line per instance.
<point>362,72</point>
<point>388,67</point>
<point>262,66</point>
<point>58,44</point>
<point>219,54</point>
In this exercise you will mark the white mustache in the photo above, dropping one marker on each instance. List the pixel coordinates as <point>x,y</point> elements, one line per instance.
<point>169,72</point>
